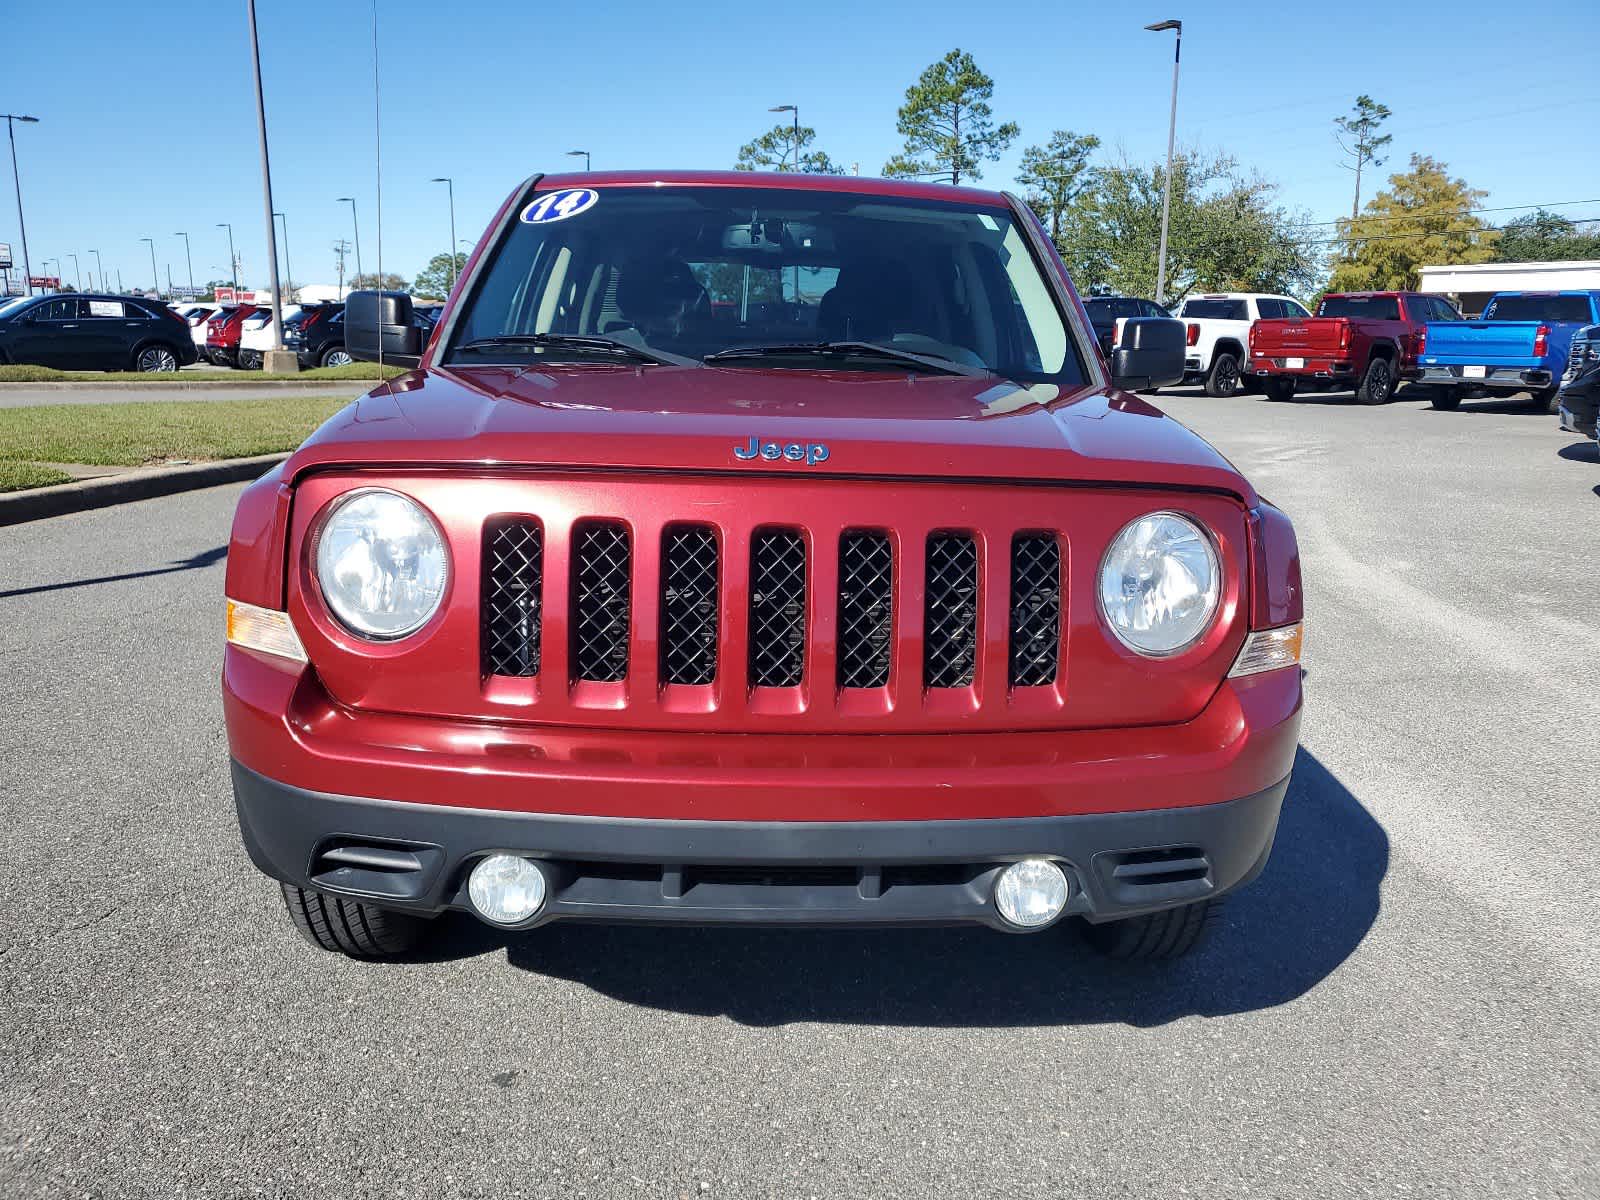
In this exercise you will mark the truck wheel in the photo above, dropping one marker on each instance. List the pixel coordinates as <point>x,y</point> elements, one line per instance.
<point>1280,389</point>
<point>1377,384</point>
<point>1445,399</point>
<point>1170,933</point>
<point>249,360</point>
<point>1544,400</point>
<point>1223,378</point>
<point>351,927</point>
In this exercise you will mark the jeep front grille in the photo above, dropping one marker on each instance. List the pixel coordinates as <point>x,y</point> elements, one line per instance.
<point>950,598</point>
<point>601,575</point>
<point>866,609</point>
<point>777,608</point>
<point>513,589</point>
<point>689,596</point>
<point>1035,609</point>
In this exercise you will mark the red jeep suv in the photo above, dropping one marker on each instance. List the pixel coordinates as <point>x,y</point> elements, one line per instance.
<point>759,550</point>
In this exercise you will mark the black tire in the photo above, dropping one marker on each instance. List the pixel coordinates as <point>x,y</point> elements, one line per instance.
<point>1279,390</point>
<point>1444,398</point>
<point>155,357</point>
<point>249,360</point>
<point>335,356</point>
<point>1544,400</point>
<point>352,928</point>
<point>1170,933</point>
<point>1377,383</point>
<point>1222,380</point>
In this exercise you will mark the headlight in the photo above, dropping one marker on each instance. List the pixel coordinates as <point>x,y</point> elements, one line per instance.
<point>381,564</point>
<point>1159,584</point>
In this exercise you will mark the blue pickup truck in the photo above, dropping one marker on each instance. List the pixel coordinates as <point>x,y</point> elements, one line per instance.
<point>1518,345</point>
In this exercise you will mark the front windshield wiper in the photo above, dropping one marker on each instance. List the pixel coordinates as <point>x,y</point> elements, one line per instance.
<point>928,362</point>
<point>579,341</point>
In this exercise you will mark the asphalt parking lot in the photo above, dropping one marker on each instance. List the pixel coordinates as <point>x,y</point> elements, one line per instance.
<point>1405,1003</point>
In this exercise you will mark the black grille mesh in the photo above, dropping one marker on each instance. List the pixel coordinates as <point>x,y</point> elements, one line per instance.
<point>950,641</point>
<point>513,581</point>
<point>777,608</point>
<point>1035,609</point>
<point>866,609</point>
<point>601,573</point>
<point>689,605</point>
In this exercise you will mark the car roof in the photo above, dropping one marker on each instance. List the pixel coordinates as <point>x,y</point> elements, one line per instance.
<point>862,185</point>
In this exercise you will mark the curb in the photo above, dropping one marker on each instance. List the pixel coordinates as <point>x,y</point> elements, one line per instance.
<point>198,385</point>
<point>143,484</point>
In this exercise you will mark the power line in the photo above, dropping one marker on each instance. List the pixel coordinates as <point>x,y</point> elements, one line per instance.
<point>1391,237</point>
<point>1459,212</point>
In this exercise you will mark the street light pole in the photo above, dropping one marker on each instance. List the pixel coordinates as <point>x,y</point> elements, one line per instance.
<point>450,186</point>
<point>154,274</point>
<point>288,270</point>
<point>189,258</point>
<point>11,128</point>
<point>1172,132</point>
<point>76,273</point>
<point>233,259</point>
<point>101,270</point>
<point>795,109</point>
<point>266,188</point>
<point>583,154</point>
<point>354,225</point>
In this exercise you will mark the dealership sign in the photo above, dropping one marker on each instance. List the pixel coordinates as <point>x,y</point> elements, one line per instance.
<point>5,256</point>
<point>228,295</point>
<point>50,283</point>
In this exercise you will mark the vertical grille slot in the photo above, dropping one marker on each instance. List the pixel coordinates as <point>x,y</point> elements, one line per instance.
<point>950,620</point>
<point>866,608</point>
<point>777,608</point>
<point>601,572</point>
<point>513,590</point>
<point>689,605</point>
<point>1035,609</point>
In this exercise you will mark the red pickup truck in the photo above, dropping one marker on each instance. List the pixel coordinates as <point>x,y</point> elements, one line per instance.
<point>759,550</point>
<point>1369,339</point>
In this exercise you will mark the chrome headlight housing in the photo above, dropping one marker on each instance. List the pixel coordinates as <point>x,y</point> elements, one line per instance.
<point>382,563</point>
<point>1160,584</point>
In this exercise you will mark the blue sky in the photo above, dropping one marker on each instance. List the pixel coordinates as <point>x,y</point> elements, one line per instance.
<point>148,121</point>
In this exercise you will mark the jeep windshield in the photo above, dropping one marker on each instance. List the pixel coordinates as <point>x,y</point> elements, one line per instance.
<point>769,278</point>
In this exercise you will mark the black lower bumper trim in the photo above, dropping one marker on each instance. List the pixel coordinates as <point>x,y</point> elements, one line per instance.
<point>417,857</point>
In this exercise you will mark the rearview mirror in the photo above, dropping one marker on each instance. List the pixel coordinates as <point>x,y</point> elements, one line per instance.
<point>381,320</point>
<point>1150,354</point>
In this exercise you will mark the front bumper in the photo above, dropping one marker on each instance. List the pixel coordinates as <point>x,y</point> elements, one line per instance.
<point>1580,404</point>
<point>1494,379</point>
<point>417,857</point>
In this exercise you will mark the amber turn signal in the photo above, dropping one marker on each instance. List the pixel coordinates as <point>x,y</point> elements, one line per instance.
<point>263,629</point>
<point>1270,649</point>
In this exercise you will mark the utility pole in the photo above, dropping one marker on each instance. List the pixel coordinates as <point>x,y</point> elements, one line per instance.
<point>1172,133</point>
<point>355,227</point>
<point>22,226</point>
<point>340,248</point>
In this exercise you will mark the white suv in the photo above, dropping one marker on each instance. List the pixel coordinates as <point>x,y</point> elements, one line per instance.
<point>1219,335</point>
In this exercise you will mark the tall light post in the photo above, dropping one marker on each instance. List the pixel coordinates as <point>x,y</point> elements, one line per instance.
<point>1172,133</point>
<point>188,258</point>
<point>583,154</point>
<point>11,128</point>
<point>351,201</point>
<point>450,186</point>
<point>76,273</point>
<point>266,199</point>
<point>233,259</point>
<point>154,274</point>
<point>795,109</point>
<point>101,271</point>
<point>44,265</point>
<point>288,270</point>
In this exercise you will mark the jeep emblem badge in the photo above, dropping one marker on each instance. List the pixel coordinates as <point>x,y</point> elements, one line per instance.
<point>809,453</point>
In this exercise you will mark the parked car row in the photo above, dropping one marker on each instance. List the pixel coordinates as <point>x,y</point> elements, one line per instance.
<point>90,331</point>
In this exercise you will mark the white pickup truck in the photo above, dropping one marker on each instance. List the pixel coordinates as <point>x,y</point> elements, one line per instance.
<point>1218,335</point>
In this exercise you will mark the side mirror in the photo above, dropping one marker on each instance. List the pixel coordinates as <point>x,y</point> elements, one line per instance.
<point>1150,354</point>
<point>381,320</point>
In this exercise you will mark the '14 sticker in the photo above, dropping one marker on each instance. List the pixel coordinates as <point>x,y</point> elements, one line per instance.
<point>558,206</point>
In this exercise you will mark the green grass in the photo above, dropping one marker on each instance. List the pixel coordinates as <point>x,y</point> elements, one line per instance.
<point>26,373</point>
<point>15,476</point>
<point>132,435</point>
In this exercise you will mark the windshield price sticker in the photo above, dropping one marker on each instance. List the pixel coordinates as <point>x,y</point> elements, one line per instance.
<point>558,206</point>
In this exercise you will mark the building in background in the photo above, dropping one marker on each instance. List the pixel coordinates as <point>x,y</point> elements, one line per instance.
<point>1471,286</point>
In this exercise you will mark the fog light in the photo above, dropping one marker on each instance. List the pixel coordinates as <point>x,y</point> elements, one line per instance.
<point>506,889</point>
<point>1031,893</point>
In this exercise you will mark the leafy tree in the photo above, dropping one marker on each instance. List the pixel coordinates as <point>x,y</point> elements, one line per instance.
<point>947,123</point>
<point>1422,218</point>
<point>777,149</point>
<point>1358,137</point>
<point>1225,232</point>
<point>387,282</point>
<point>436,277</point>
<point>1545,237</point>
<point>1055,173</point>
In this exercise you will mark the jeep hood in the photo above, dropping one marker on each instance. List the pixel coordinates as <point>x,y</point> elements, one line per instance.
<point>691,419</point>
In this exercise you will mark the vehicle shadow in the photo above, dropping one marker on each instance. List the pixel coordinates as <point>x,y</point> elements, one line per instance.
<point>1584,451</point>
<point>194,562</point>
<point>1278,938</point>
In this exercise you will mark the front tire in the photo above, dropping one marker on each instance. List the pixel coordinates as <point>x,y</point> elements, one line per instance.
<point>1280,390</point>
<point>1170,933</point>
<point>1544,400</point>
<point>352,928</point>
<point>1377,383</point>
<point>1445,398</point>
<point>153,359</point>
<point>1222,380</point>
